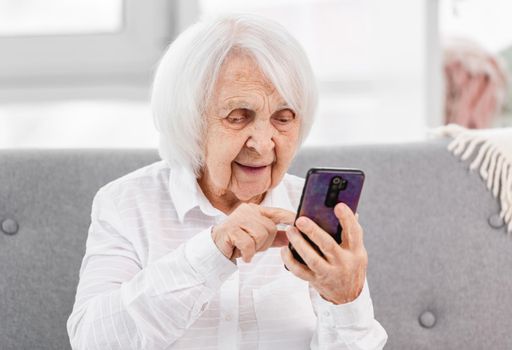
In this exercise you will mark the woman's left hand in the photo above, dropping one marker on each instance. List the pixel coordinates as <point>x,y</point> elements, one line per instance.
<point>339,275</point>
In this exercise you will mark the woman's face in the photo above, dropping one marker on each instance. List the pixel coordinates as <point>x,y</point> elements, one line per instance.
<point>252,135</point>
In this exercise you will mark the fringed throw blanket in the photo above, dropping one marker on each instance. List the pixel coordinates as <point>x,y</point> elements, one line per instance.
<point>494,159</point>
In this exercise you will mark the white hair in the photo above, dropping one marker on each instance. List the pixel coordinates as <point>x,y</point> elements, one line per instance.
<point>187,73</point>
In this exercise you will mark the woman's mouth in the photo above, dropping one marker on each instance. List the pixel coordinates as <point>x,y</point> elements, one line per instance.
<point>252,169</point>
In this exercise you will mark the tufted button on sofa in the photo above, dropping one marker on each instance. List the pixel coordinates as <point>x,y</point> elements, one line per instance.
<point>427,319</point>
<point>495,221</point>
<point>9,226</point>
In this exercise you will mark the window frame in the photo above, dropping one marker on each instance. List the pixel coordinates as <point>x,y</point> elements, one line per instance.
<point>30,64</point>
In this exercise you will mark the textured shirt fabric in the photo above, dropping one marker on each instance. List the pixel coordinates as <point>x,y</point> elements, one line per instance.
<point>152,278</point>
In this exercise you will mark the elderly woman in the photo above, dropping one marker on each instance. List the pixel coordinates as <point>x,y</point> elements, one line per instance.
<point>184,253</point>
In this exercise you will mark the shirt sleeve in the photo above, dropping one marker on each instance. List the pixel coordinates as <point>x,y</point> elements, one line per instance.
<point>122,305</point>
<point>347,326</point>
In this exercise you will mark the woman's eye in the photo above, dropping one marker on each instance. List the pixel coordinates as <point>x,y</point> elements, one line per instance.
<point>284,117</point>
<point>236,120</point>
<point>237,116</point>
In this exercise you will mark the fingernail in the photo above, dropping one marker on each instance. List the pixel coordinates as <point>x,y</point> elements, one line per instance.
<point>282,227</point>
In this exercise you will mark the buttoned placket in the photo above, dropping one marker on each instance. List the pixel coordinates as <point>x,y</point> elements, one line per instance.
<point>229,310</point>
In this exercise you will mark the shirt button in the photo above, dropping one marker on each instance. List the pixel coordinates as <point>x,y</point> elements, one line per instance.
<point>204,307</point>
<point>327,313</point>
<point>228,317</point>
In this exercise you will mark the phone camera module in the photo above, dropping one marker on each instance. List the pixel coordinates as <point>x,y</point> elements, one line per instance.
<point>338,184</point>
<point>333,191</point>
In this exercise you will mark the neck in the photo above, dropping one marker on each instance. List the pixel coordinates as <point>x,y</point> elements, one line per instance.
<point>225,201</point>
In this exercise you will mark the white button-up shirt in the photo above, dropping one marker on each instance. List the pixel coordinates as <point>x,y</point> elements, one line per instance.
<point>152,278</point>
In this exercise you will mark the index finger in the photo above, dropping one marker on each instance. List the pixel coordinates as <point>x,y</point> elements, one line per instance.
<point>352,231</point>
<point>278,215</point>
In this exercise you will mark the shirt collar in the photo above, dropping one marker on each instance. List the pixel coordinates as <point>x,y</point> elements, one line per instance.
<point>182,190</point>
<point>278,197</point>
<point>186,195</point>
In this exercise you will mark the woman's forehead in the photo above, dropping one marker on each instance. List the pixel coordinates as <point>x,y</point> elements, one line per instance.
<point>242,69</point>
<point>242,84</point>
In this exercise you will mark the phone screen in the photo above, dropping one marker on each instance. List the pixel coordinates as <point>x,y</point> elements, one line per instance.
<point>323,189</point>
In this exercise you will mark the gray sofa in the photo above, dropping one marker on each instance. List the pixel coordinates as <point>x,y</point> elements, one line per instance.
<point>440,263</point>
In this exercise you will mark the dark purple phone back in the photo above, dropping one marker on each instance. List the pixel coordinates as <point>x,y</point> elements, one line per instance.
<point>314,194</point>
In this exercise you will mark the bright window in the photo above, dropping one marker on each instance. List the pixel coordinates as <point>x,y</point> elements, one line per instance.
<point>69,43</point>
<point>59,17</point>
<point>77,73</point>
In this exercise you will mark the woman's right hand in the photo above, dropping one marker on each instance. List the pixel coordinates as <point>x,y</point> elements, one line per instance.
<point>249,229</point>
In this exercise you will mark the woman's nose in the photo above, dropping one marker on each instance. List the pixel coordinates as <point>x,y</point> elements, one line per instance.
<point>261,140</point>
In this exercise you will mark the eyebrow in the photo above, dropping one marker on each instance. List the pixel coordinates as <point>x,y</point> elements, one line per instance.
<point>234,104</point>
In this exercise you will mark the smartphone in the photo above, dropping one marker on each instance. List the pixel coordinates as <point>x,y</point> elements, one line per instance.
<point>323,189</point>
